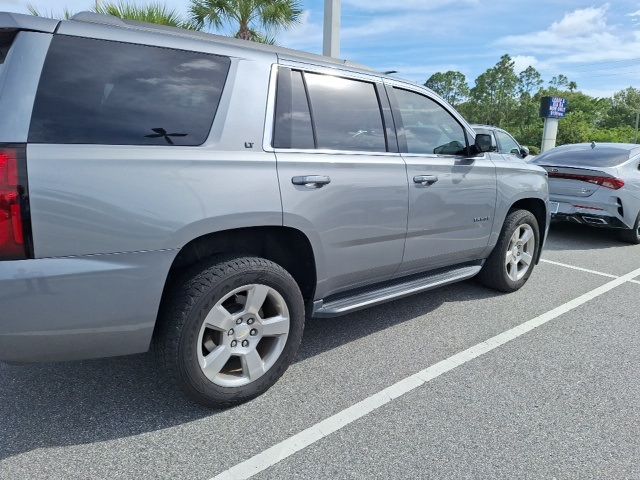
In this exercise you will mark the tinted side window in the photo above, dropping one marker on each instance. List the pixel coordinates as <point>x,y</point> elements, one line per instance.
<point>346,114</point>
<point>507,144</point>
<point>103,92</point>
<point>428,127</point>
<point>293,127</point>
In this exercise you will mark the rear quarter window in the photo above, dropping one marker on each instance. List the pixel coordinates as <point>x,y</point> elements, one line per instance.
<point>104,92</point>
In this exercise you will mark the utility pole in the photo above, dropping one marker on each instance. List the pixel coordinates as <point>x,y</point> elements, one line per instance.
<point>331,41</point>
<point>637,124</point>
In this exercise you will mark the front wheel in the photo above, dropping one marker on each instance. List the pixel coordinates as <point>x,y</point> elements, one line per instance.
<point>512,261</point>
<point>230,329</point>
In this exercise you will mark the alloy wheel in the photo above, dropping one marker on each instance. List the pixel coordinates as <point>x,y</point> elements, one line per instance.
<point>520,252</point>
<point>243,335</point>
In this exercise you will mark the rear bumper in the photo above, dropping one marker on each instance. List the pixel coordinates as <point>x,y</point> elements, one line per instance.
<point>80,307</point>
<point>589,212</point>
<point>591,220</point>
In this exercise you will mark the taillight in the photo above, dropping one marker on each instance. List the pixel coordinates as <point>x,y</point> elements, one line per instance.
<point>15,238</point>
<point>608,182</point>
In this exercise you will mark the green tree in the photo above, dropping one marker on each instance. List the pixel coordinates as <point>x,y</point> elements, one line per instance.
<point>625,104</point>
<point>493,97</point>
<point>451,85</point>
<point>256,20</point>
<point>529,82</point>
<point>561,82</point>
<point>155,12</point>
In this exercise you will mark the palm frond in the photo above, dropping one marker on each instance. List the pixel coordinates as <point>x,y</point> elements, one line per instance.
<point>156,12</point>
<point>280,13</point>
<point>66,13</point>
<point>256,20</point>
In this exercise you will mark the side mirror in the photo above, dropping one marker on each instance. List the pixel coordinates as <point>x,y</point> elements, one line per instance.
<point>482,143</point>
<point>524,151</point>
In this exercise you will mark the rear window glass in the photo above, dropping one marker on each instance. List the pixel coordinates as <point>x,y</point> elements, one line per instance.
<point>103,92</point>
<point>583,156</point>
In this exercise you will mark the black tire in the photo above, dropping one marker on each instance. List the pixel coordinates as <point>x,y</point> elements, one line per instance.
<point>494,274</point>
<point>188,302</point>
<point>631,235</point>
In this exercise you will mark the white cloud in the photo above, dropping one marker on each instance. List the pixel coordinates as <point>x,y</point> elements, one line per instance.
<point>306,35</point>
<point>521,62</point>
<point>634,14</point>
<point>582,36</point>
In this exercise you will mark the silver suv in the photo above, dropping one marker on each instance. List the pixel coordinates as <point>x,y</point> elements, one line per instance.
<point>201,196</point>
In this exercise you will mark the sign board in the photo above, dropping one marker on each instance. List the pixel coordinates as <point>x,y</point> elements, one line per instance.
<point>553,107</point>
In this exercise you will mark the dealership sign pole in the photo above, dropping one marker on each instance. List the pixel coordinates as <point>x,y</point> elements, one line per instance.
<point>331,42</point>
<point>552,109</point>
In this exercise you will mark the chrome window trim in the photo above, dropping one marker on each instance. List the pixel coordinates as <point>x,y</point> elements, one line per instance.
<point>334,152</point>
<point>435,155</point>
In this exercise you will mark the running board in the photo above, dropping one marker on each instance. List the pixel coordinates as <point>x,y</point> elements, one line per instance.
<point>348,302</point>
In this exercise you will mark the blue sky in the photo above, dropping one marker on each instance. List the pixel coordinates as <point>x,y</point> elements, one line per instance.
<point>597,44</point>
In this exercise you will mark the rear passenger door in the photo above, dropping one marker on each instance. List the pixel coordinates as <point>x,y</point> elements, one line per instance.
<point>452,196</point>
<point>342,179</point>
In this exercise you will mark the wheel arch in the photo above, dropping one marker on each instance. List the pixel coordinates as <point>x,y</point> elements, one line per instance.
<point>538,208</point>
<point>286,246</point>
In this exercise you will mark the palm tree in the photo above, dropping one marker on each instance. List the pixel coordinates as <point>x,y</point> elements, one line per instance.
<point>255,20</point>
<point>155,12</point>
<point>66,13</point>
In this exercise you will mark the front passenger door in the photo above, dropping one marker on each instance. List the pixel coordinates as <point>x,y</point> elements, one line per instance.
<point>452,196</point>
<point>508,146</point>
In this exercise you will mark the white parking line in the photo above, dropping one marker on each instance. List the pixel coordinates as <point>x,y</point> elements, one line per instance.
<point>580,269</point>
<point>311,435</point>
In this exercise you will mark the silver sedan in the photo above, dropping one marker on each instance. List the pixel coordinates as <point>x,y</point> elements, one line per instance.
<point>597,185</point>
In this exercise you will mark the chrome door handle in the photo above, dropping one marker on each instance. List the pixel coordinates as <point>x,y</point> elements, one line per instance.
<point>425,180</point>
<point>311,181</point>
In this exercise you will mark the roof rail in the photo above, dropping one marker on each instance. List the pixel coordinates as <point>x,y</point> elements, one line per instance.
<point>92,17</point>
<point>19,21</point>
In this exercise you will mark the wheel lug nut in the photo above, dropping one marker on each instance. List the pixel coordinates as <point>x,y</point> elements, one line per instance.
<point>230,332</point>
<point>234,343</point>
<point>238,321</point>
<point>250,321</point>
<point>245,343</point>
<point>253,332</point>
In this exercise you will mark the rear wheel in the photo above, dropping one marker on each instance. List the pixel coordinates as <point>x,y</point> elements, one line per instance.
<point>512,261</point>
<point>230,329</point>
<point>631,235</point>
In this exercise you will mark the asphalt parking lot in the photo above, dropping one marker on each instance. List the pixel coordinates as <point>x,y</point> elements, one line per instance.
<point>555,398</point>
